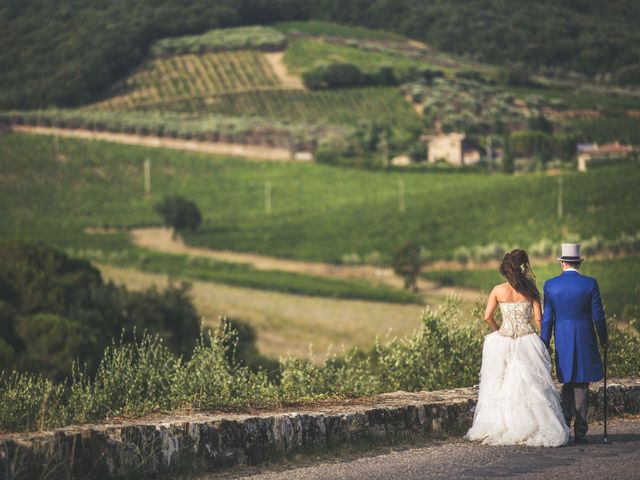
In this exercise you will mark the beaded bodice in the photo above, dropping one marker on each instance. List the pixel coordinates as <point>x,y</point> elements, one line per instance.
<point>516,319</point>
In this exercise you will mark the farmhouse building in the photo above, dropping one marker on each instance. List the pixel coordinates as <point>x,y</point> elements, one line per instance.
<point>452,149</point>
<point>593,153</point>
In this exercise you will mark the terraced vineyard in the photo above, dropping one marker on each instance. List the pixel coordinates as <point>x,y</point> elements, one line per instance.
<point>334,106</point>
<point>165,80</point>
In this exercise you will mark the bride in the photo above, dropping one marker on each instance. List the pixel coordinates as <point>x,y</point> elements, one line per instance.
<point>517,401</point>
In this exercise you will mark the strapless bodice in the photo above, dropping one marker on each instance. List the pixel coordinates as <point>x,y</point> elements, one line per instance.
<point>516,319</point>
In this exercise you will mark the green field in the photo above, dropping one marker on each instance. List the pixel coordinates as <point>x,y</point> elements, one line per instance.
<point>304,54</point>
<point>618,279</point>
<point>244,275</point>
<point>318,212</point>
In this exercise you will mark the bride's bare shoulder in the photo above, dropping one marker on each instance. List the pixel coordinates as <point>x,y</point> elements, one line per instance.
<point>502,287</point>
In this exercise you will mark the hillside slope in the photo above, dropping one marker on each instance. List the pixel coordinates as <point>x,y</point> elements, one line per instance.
<point>69,52</point>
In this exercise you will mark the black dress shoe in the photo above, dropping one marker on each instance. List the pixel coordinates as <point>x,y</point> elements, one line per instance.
<point>580,440</point>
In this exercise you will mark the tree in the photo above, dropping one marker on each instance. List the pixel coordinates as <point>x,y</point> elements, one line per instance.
<point>55,308</point>
<point>406,263</point>
<point>179,213</point>
<point>508,165</point>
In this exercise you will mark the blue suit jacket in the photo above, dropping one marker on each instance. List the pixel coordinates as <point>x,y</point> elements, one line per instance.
<point>572,306</point>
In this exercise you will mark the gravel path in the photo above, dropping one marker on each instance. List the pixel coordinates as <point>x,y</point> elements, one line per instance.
<point>463,460</point>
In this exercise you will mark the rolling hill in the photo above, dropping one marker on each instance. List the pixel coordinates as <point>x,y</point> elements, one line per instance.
<point>61,55</point>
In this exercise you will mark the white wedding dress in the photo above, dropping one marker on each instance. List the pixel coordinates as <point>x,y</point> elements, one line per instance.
<point>517,402</point>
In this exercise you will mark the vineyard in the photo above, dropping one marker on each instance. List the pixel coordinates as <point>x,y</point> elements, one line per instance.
<point>346,106</point>
<point>187,76</point>
<point>210,128</point>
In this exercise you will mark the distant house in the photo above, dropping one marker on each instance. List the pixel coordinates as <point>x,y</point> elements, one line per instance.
<point>451,148</point>
<point>590,153</point>
<point>401,161</point>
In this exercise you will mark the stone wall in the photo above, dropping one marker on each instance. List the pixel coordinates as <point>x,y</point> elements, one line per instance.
<point>206,442</point>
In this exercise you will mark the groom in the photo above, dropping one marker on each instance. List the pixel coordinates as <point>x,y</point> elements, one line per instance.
<point>572,306</point>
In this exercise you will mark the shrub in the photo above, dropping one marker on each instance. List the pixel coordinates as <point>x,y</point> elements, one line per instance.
<point>334,75</point>
<point>628,75</point>
<point>179,213</point>
<point>406,263</point>
<point>472,75</point>
<point>143,376</point>
<point>55,308</point>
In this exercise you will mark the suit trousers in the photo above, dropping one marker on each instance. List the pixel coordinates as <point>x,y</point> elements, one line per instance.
<point>574,398</point>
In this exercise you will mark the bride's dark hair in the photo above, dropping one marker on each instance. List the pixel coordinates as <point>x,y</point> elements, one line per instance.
<point>515,267</point>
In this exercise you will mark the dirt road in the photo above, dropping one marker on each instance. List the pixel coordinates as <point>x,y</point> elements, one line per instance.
<point>159,239</point>
<point>254,152</point>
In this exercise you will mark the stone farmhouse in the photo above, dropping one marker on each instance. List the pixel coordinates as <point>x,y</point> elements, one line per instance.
<point>592,153</point>
<point>451,148</point>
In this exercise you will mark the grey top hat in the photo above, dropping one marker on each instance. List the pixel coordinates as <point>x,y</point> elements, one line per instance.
<point>570,253</point>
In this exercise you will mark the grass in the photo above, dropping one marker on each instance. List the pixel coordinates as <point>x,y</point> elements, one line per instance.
<point>288,324</point>
<point>335,30</point>
<point>618,279</point>
<point>244,275</point>
<point>305,54</point>
<point>318,212</point>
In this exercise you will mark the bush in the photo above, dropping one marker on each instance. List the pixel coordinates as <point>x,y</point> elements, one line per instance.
<point>179,213</point>
<point>55,308</point>
<point>473,75</point>
<point>334,75</point>
<point>142,376</point>
<point>54,342</point>
<point>628,75</point>
<point>406,263</point>
<point>344,75</point>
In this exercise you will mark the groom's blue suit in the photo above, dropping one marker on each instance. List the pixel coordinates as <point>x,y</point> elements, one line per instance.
<point>572,306</point>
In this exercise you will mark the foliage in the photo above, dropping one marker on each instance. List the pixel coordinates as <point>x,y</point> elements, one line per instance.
<point>144,376</point>
<point>82,60</point>
<point>222,39</point>
<point>171,124</point>
<point>179,213</point>
<point>328,29</point>
<point>406,263</point>
<point>61,54</point>
<point>602,130</point>
<point>516,76</point>
<point>54,309</point>
<point>467,106</point>
<point>333,75</point>
<point>134,378</point>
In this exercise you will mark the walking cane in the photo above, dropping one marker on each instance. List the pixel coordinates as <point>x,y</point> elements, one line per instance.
<point>606,440</point>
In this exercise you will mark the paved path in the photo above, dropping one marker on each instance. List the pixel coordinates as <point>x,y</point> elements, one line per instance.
<point>462,460</point>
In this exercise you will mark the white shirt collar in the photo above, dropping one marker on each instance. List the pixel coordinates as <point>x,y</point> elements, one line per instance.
<point>571,270</point>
